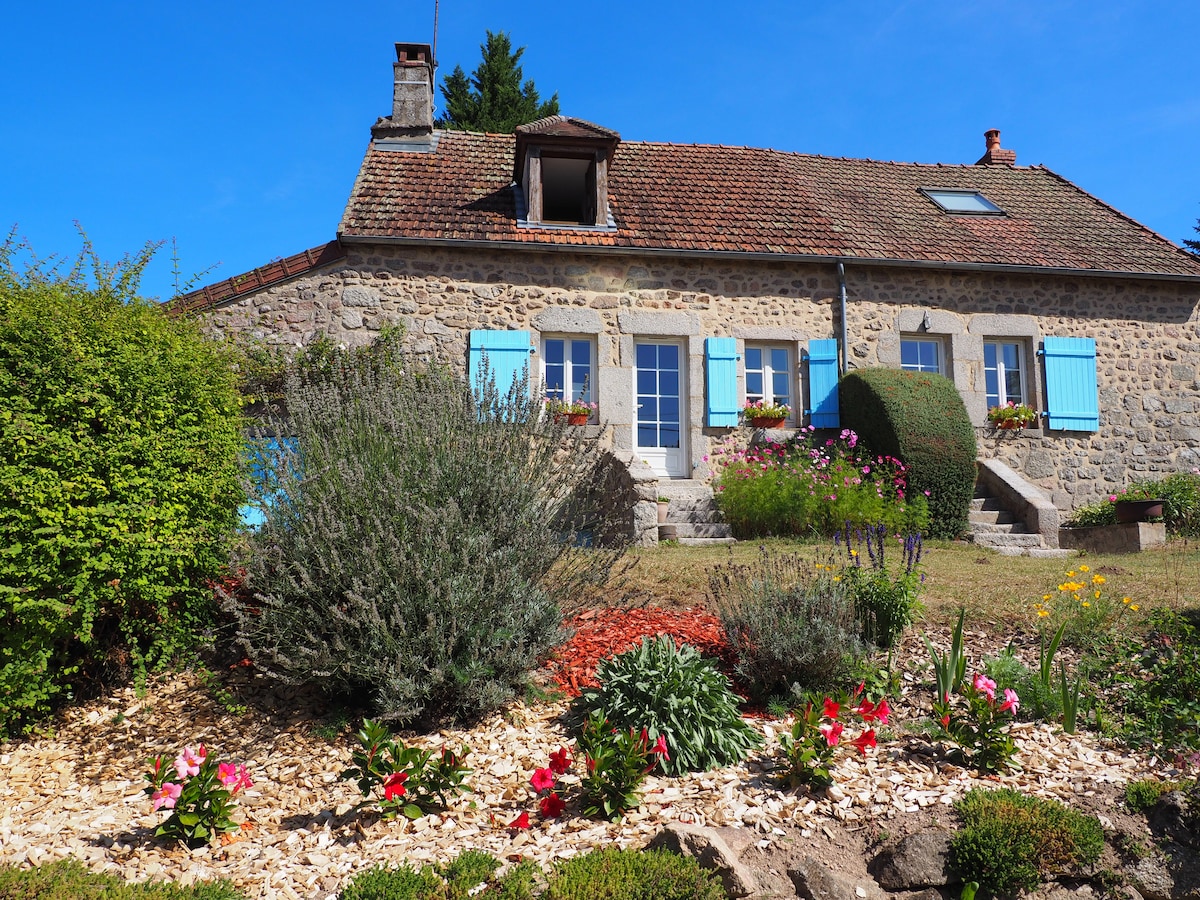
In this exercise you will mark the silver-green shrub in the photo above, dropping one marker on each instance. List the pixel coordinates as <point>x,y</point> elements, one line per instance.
<point>418,539</point>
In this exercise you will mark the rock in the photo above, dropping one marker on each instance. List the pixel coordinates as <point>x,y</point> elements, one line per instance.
<point>916,861</point>
<point>1172,874</point>
<point>815,881</point>
<point>711,851</point>
<point>1168,816</point>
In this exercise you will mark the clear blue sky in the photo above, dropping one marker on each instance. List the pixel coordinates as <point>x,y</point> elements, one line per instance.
<point>237,128</point>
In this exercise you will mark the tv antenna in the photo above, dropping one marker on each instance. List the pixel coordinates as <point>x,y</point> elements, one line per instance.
<point>435,24</point>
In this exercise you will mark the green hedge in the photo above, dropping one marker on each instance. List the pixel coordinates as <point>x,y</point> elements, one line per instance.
<point>119,442</point>
<point>918,417</point>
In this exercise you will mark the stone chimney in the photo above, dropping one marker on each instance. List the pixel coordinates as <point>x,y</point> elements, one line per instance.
<point>995,155</point>
<point>412,97</point>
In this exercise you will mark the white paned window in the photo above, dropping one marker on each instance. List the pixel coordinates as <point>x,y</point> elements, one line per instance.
<point>568,368</point>
<point>921,355</point>
<point>1004,372</point>
<point>769,375</point>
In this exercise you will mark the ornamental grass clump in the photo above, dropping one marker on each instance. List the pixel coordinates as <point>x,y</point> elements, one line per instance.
<point>811,486</point>
<point>791,622</point>
<point>420,539</point>
<point>677,694</point>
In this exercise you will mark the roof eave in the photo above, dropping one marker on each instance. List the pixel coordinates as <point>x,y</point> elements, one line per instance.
<point>886,262</point>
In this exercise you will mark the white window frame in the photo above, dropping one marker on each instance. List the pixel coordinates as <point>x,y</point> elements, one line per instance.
<point>1002,397</point>
<point>569,365</point>
<point>937,343</point>
<point>768,372</point>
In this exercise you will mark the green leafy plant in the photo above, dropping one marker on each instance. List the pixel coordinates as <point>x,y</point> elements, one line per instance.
<point>627,874</point>
<point>979,725</point>
<point>1143,794</point>
<point>199,792</point>
<point>790,621</point>
<point>1160,674</point>
<point>919,418</point>
<point>413,781</point>
<point>949,669</point>
<point>1093,617</point>
<point>119,439</point>
<point>676,693</point>
<point>885,603</point>
<point>69,879</point>
<point>420,538</point>
<point>1011,415</point>
<point>1038,702</point>
<point>1010,841</point>
<point>762,410</point>
<point>616,763</point>
<point>810,745</point>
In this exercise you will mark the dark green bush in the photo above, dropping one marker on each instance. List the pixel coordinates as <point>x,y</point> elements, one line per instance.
<point>400,882</point>
<point>119,438</point>
<point>1161,677</point>
<point>1181,507</point>
<point>677,693</point>
<point>919,418</point>
<point>417,543</point>
<point>1141,795</point>
<point>69,879</point>
<point>790,622</point>
<point>1011,841</point>
<point>613,874</point>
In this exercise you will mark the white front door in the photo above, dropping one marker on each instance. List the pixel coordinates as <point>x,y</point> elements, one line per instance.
<point>660,434</point>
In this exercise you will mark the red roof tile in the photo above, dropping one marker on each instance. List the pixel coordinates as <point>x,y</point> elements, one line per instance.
<point>688,197</point>
<point>272,273</point>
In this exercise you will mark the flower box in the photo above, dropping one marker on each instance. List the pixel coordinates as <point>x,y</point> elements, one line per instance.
<point>766,421</point>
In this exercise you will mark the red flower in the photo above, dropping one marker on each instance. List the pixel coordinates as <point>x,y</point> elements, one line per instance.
<point>560,760</point>
<point>521,821</point>
<point>394,786</point>
<point>832,732</point>
<point>552,805</point>
<point>946,720</point>
<point>660,747</point>
<point>870,712</point>
<point>542,780</point>
<point>832,709</point>
<point>864,740</point>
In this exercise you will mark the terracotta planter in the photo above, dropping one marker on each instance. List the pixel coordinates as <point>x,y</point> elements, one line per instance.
<point>1138,510</point>
<point>573,418</point>
<point>662,511</point>
<point>760,422</point>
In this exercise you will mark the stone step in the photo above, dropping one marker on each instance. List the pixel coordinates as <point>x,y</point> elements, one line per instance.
<point>705,542</point>
<point>1018,541</point>
<point>702,530</point>
<point>991,517</point>
<point>986,504</point>
<point>998,527</point>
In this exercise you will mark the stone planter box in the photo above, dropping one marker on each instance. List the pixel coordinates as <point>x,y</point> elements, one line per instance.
<point>1123,538</point>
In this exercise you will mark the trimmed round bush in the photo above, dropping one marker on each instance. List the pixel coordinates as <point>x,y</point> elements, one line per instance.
<point>918,417</point>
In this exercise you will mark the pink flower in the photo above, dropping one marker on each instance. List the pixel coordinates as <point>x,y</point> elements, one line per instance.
<point>394,786</point>
<point>1011,701</point>
<point>521,821</point>
<point>985,685</point>
<point>832,709</point>
<point>233,777</point>
<point>542,780</point>
<point>1112,498</point>
<point>864,740</point>
<point>946,720</point>
<point>189,761</point>
<point>165,796</point>
<point>552,805</point>
<point>832,732</point>
<point>560,760</point>
<point>870,712</point>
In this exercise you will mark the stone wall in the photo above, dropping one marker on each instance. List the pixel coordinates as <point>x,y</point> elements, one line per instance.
<point>1148,354</point>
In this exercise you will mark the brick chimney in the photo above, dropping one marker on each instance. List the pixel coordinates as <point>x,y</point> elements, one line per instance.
<point>995,155</point>
<point>412,96</point>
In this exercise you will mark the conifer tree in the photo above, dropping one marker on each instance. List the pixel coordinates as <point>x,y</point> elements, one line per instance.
<point>493,98</point>
<point>1192,246</point>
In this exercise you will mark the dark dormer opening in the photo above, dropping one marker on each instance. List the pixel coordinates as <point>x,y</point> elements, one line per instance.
<point>561,172</point>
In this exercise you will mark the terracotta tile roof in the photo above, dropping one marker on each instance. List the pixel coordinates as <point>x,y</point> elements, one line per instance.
<point>264,276</point>
<point>687,197</point>
<point>562,126</point>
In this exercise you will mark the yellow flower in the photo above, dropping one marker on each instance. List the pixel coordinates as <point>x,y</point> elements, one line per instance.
<point>1124,599</point>
<point>854,553</point>
<point>1084,569</point>
<point>1134,607</point>
<point>1086,604</point>
<point>1043,613</point>
<point>1071,574</point>
<point>1098,579</point>
<point>1096,594</point>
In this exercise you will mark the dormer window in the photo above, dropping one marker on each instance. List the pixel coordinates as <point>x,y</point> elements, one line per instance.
<point>561,173</point>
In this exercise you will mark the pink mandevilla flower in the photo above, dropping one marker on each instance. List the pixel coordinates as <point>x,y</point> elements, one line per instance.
<point>190,760</point>
<point>165,796</point>
<point>832,708</point>
<point>832,732</point>
<point>1011,701</point>
<point>985,685</point>
<point>542,780</point>
<point>871,713</point>
<point>234,777</point>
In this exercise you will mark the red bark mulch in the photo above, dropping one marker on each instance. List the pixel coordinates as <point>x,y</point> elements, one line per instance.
<point>601,633</point>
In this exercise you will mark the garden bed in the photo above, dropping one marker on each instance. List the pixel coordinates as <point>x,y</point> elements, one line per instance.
<point>1128,537</point>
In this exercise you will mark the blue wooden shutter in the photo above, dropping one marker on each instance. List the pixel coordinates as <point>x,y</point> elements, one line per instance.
<point>265,459</point>
<point>721,381</point>
<point>507,358</point>
<point>823,383</point>
<point>1072,399</point>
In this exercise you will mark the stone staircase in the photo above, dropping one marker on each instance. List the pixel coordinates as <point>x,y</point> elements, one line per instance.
<point>995,527</point>
<point>692,518</point>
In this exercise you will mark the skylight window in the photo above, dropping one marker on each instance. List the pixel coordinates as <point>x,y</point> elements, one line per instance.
<point>970,203</point>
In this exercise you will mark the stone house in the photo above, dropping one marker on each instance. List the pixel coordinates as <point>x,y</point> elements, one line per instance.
<point>671,284</point>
